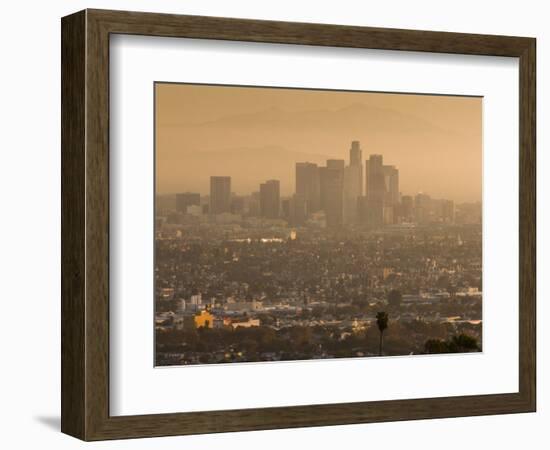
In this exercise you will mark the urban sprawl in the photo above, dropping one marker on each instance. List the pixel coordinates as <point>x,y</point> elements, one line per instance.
<point>347,266</point>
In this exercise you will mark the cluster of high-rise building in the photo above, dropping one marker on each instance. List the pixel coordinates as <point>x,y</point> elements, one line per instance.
<point>335,195</point>
<point>334,189</point>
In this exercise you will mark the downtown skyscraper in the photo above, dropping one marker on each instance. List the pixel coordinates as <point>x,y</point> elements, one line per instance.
<point>270,199</point>
<point>382,196</point>
<point>333,188</point>
<point>220,195</point>
<point>308,185</point>
<point>353,184</point>
<point>339,187</point>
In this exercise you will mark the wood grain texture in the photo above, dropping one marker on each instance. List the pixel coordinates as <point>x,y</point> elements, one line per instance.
<point>527,224</point>
<point>85,224</point>
<point>73,226</point>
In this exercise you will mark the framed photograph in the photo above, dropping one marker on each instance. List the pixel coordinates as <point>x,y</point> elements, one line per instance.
<point>274,225</point>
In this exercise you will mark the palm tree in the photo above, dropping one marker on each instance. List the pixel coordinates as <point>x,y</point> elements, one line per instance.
<point>382,322</point>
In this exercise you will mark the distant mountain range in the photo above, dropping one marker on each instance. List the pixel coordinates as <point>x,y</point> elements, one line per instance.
<point>357,116</point>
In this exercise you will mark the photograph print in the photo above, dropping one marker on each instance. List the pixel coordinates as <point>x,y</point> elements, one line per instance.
<point>308,224</point>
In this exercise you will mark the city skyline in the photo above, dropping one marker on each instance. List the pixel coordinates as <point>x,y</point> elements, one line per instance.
<point>329,162</point>
<point>311,240</point>
<point>255,134</point>
<point>355,192</point>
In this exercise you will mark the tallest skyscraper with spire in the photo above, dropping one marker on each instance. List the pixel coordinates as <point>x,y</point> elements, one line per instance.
<point>353,183</point>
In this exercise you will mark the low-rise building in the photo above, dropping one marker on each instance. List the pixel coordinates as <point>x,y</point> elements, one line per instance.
<point>245,323</point>
<point>204,319</point>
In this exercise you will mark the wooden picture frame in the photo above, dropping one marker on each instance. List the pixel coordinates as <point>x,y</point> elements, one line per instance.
<point>85,224</point>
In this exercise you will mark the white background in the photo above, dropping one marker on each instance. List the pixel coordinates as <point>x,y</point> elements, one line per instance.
<point>30,235</point>
<point>136,387</point>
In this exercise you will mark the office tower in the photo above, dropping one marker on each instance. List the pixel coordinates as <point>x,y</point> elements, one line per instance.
<point>187,199</point>
<point>382,191</point>
<point>447,211</point>
<point>298,210</point>
<point>391,200</point>
<point>353,184</point>
<point>388,213</point>
<point>355,153</point>
<point>351,194</point>
<point>220,195</point>
<point>376,191</point>
<point>334,196</point>
<point>407,206</point>
<point>391,184</point>
<point>322,187</point>
<point>371,212</point>
<point>332,191</point>
<point>356,160</point>
<point>270,198</point>
<point>308,185</point>
<point>375,183</point>
<point>422,208</point>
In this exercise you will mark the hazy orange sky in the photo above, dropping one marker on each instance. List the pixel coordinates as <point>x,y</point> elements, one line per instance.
<point>254,134</point>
